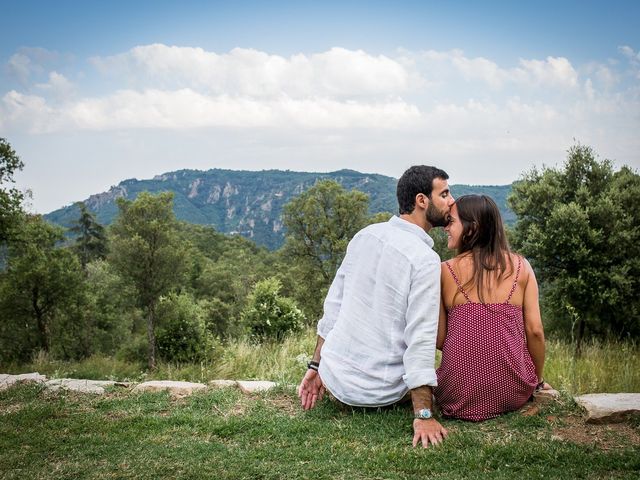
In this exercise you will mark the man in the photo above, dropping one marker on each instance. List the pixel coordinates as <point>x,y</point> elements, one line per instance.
<point>377,337</point>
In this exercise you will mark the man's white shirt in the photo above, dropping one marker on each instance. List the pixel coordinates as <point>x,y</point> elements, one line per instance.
<point>380,317</point>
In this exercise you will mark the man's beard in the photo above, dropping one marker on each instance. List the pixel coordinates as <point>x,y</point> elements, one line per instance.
<point>435,217</point>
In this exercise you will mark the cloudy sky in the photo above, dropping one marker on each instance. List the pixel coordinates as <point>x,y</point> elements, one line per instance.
<point>94,93</point>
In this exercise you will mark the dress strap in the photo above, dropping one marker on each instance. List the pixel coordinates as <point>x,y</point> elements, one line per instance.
<point>515,282</point>
<point>455,278</point>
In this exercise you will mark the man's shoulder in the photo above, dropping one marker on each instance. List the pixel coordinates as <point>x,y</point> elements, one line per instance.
<point>401,242</point>
<point>378,230</point>
<point>376,227</point>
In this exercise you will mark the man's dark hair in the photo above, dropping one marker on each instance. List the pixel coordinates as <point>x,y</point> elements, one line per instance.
<point>417,179</point>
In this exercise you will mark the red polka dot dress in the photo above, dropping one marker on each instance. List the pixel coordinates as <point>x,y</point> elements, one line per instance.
<point>486,369</point>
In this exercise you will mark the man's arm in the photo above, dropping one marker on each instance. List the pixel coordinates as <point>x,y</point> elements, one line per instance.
<point>311,388</point>
<point>421,331</point>
<point>425,431</point>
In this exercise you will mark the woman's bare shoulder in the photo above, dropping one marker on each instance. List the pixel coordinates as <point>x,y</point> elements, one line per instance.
<point>453,263</point>
<point>444,269</point>
<point>525,267</point>
<point>446,264</point>
<point>461,266</point>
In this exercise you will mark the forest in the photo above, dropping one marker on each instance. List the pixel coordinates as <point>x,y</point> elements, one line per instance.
<point>149,288</point>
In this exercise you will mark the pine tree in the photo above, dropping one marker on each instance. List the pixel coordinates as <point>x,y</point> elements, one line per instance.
<point>91,242</point>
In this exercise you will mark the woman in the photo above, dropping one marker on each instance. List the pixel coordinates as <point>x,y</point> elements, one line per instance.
<point>490,330</point>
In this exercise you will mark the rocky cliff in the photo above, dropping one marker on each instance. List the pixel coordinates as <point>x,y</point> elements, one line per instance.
<point>248,203</point>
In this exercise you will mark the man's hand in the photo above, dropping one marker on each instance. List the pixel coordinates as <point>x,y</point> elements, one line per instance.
<point>428,431</point>
<point>310,390</point>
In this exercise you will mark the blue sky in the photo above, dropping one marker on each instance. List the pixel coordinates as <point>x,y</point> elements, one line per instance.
<point>92,93</point>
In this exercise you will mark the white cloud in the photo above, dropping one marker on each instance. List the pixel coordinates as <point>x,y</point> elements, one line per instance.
<point>480,120</point>
<point>19,66</point>
<point>58,85</point>
<point>589,90</point>
<point>634,60</point>
<point>183,87</point>
<point>480,68</point>
<point>346,72</point>
<point>337,72</point>
<point>29,61</point>
<point>257,110</point>
<point>606,77</point>
<point>28,112</point>
<point>185,108</point>
<point>553,71</point>
<point>628,52</point>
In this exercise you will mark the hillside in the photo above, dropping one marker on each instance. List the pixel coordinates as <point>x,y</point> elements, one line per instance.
<point>250,203</point>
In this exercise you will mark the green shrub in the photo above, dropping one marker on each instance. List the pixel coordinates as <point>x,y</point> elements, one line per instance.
<point>135,349</point>
<point>181,334</point>
<point>268,315</point>
<point>219,319</point>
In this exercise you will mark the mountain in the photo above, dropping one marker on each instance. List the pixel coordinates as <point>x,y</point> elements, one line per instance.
<point>250,203</point>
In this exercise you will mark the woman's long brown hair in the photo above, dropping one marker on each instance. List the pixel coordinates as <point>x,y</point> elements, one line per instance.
<point>484,237</point>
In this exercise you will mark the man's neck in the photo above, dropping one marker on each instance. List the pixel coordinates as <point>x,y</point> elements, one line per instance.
<point>417,218</point>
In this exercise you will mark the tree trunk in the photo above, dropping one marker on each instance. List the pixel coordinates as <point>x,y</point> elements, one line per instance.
<point>43,332</point>
<point>580,336</point>
<point>151,335</point>
<point>41,321</point>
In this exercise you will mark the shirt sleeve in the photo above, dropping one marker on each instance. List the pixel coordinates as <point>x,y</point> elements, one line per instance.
<point>333,302</point>
<point>421,330</point>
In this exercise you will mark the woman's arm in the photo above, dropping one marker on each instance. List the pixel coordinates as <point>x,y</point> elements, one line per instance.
<point>533,322</point>
<point>442,326</point>
<point>442,321</point>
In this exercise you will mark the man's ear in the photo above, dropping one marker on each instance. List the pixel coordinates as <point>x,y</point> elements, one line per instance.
<point>422,201</point>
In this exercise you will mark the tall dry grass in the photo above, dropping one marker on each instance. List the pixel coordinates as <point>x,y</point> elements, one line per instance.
<point>604,366</point>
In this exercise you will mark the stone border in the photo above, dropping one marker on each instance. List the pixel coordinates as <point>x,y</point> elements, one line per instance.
<point>599,407</point>
<point>175,388</point>
<point>610,407</point>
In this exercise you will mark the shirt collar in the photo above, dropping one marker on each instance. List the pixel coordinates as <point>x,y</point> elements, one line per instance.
<point>412,228</point>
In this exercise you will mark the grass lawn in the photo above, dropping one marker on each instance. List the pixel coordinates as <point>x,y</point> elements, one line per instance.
<point>224,434</point>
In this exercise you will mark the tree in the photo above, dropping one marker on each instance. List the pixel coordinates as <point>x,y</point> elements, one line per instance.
<point>182,334</point>
<point>91,242</point>
<point>268,315</point>
<point>147,251</point>
<point>10,198</point>
<point>110,308</point>
<point>41,285</point>
<point>320,223</point>
<point>580,228</point>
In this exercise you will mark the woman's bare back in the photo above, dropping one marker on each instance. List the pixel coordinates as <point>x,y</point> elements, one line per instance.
<point>495,290</point>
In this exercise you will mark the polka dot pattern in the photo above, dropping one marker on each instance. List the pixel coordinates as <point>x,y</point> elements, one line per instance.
<point>486,369</point>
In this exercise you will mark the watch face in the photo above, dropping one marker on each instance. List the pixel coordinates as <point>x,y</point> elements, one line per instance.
<point>424,413</point>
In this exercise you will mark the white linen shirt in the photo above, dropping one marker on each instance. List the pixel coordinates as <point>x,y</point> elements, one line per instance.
<point>380,317</point>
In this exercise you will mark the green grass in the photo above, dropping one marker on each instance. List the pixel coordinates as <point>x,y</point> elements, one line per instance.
<point>603,367</point>
<point>607,366</point>
<point>223,434</point>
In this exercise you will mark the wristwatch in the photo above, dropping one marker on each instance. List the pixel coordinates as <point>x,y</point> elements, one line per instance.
<point>423,414</point>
